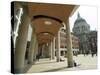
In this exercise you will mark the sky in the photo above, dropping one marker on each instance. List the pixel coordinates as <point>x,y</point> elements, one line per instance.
<point>89,13</point>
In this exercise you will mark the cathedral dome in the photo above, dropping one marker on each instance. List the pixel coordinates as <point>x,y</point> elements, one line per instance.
<point>80,26</point>
<point>79,19</point>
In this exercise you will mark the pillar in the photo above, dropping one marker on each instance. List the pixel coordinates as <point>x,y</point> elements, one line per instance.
<point>21,42</point>
<point>36,51</point>
<point>42,51</point>
<point>53,49</point>
<point>32,47</point>
<point>50,48</point>
<point>58,47</point>
<point>46,51</point>
<point>69,46</point>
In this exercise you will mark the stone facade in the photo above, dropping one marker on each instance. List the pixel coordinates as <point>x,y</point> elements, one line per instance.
<point>63,45</point>
<point>93,41</point>
<point>81,29</point>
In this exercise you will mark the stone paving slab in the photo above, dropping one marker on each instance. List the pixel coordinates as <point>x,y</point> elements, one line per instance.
<point>47,65</point>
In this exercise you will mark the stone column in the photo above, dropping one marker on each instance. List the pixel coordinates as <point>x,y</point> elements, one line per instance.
<point>53,49</point>
<point>36,51</point>
<point>50,48</point>
<point>32,47</point>
<point>42,50</point>
<point>21,42</point>
<point>46,52</point>
<point>58,47</point>
<point>69,46</point>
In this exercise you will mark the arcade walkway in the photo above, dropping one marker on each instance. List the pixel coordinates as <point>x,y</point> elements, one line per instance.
<point>47,65</point>
<point>46,21</point>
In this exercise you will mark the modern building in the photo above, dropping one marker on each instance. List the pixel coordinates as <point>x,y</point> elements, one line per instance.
<point>46,21</point>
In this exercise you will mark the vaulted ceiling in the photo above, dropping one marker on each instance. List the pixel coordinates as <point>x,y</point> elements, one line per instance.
<point>47,18</point>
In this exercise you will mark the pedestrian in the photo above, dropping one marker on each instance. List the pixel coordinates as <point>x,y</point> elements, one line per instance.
<point>75,64</point>
<point>37,57</point>
<point>92,54</point>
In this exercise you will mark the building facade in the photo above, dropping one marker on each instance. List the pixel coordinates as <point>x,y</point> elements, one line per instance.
<point>93,41</point>
<point>81,29</point>
<point>87,38</point>
<point>63,45</point>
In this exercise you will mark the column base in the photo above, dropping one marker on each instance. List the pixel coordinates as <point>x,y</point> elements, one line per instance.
<point>19,71</point>
<point>31,63</point>
<point>53,58</point>
<point>70,64</point>
<point>58,60</point>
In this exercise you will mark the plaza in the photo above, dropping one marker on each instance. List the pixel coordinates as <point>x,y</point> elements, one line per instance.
<point>46,65</point>
<point>42,40</point>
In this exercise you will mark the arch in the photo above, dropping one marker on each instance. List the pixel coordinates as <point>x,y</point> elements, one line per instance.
<point>46,32</point>
<point>44,16</point>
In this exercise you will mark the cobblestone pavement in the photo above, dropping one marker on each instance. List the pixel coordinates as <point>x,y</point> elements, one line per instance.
<point>47,65</point>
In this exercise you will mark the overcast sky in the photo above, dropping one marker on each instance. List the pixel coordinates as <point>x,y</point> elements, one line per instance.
<point>89,13</point>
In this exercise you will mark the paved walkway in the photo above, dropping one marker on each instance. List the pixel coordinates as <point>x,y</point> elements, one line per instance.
<point>47,65</point>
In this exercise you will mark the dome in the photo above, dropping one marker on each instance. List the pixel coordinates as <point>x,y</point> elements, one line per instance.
<point>79,19</point>
<point>80,26</point>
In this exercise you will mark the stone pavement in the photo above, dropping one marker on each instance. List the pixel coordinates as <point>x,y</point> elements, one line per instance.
<point>47,65</point>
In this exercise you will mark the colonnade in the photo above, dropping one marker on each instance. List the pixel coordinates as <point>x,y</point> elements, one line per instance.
<point>21,43</point>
